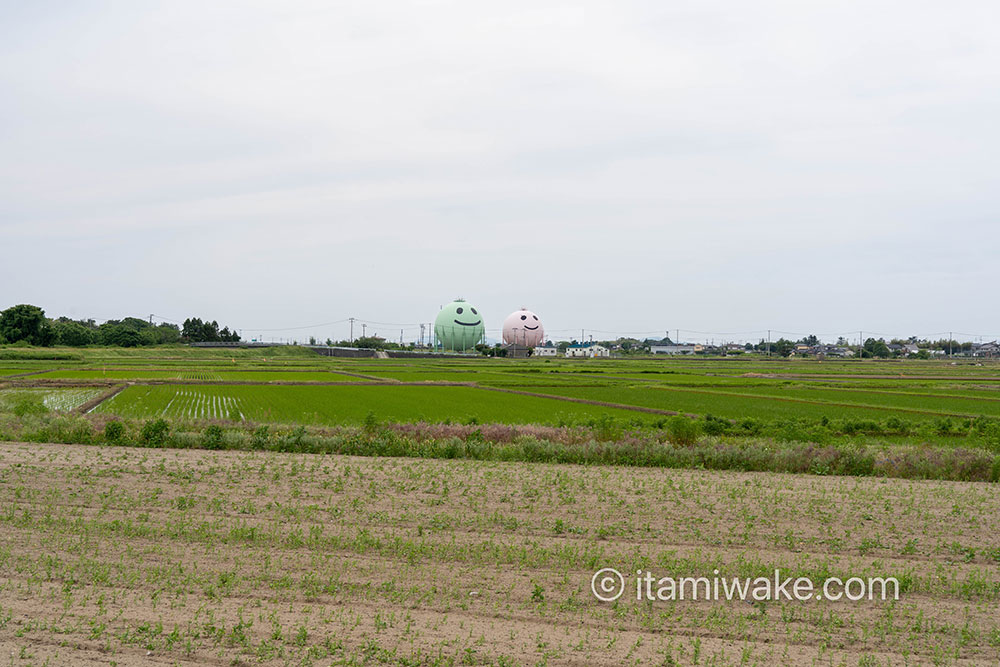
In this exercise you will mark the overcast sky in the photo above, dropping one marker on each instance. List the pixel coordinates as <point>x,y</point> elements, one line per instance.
<point>616,167</point>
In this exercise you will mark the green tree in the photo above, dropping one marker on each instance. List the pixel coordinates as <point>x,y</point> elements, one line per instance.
<point>782,347</point>
<point>72,334</point>
<point>116,333</point>
<point>28,323</point>
<point>370,342</point>
<point>167,333</point>
<point>876,348</point>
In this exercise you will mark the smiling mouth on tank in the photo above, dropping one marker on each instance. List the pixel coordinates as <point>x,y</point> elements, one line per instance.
<point>468,324</point>
<point>531,328</point>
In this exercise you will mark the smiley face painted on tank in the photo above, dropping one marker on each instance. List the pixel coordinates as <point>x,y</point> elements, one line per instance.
<point>522,327</point>
<point>468,312</point>
<point>459,326</point>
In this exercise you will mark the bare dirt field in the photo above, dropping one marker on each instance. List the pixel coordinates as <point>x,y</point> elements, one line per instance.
<point>120,556</point>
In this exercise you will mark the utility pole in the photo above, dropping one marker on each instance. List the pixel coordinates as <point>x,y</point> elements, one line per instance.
<point>769,342</point>
<point>861,345</point>
<point>352,328</point>
<point>951,336</point>
<point>150,318</point>
<point>400,337</point>
<point>364,330</point>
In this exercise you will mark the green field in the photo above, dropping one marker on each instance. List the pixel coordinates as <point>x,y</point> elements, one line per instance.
<point>212,374</point>
<point>781,402</point>
<point>342,405</point>
<point>273,385</point>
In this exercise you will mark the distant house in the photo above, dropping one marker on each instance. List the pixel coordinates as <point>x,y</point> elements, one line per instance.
<point>822,351</point>
<point>986,350</point>
<point>587,350</point>
<point>545,351</point>
<point>673,349</point>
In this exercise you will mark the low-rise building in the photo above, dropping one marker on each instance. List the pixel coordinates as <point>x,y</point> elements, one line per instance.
<point>587,350</point>
<point>545,351</point>
<point>673,349</point>
<point>986,350</point>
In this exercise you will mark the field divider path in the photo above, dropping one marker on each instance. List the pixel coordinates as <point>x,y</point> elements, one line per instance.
<point>587,401</point>
<point>21,375</point>
<point>65,383</point>
<point>92,404</point>
<point>366,377</point>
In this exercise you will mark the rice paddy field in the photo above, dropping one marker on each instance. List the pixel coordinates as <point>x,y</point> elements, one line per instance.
<point>291,388</point>
<point>118,555</point>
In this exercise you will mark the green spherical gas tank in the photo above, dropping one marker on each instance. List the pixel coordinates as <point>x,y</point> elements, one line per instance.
<point>459,326</point>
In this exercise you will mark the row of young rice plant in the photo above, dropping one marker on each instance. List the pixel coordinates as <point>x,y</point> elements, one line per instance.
<point>52,399</point>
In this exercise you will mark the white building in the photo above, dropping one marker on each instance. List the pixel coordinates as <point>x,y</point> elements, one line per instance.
<point>545,351</point>
<point>673,349</point>
<point>587,350</point>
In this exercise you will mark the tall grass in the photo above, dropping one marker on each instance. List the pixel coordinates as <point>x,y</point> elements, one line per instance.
<point>677,446</point>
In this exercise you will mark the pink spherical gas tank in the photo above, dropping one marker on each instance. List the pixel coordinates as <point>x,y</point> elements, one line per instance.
<point>522,327</point>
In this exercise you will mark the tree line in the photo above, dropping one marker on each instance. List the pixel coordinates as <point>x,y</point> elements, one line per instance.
<point>27,325</point>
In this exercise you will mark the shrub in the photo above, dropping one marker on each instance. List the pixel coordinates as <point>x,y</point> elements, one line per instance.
<point>294,441</point>
<point>371,422</point>
<point>212,437</point>
<point>114,432</point>
<point>260,437</point>
<point>29,404</point>
<point>713,425</point>
<point>682,431</point>
<point>154,433</point>
<point>606,429</point>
